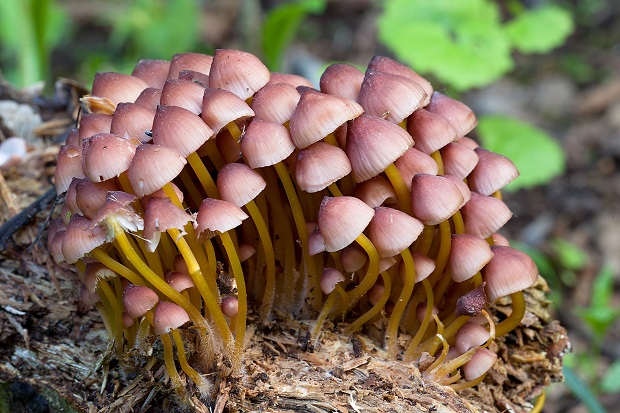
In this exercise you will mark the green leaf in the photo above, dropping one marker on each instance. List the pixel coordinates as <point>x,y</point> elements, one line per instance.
<point>280,26</point>
<point>462,42</point>
<point>599,319</point>
<point>541,29</point>
<point>610,383</point>
<point>568,254</point>
<point>581,390</point>
<point>538,156</point>
<point>603,287</point>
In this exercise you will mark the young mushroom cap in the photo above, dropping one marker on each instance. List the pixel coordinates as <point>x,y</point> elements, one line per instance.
<point>392,231</point>
<point>469,336</point>
<point>238,184</point>
<point>149,98</point>
<point>80,238</point>
<point>508,272</point>
<point>387,65</point>
<point>415,162</point>
<point>460,116</point>
<point>434,198</point>
<point>319,114</point>
<point>90,196</point>
<point>424,266</point>
<point>197,77</point>
<point>117,87</point>
<point>154,72</point>
<point>468,254</point>
<point>138,299</point>
<point>319,165</point>
<point>220,107</point>
<point>239,72</point>
<point>289,79</point>
<point>152,167</point>
<point>275,102</point>
<point>230,306</point>
<point>391,96</point>
<point>353,258</point>
<point>341,79</point>
<point>341,220</point>
<point>189,61</point>
<point>180,281</point>
<point>492,172</point>
<point>216,215</point>
<point>484,215</point>
<point>183,93</point>
<point>106,156</point>
<point>373,144</point>
<point>458,159</point>
<point>68,166</point>
<point>376,192</point>
<point>330,277</point>
<point>179,129</point>
<point>167,317</point>
<point>430,131</point>
<point>132,120</point>
<point>482,360</point>
<point>92,124</point>
<point>266,143</point>
<point>161,215</point>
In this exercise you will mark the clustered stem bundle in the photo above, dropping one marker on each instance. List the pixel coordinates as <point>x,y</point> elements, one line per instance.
<point>369,205</point>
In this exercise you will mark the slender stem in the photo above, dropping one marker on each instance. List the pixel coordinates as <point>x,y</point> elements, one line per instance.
<point>515,317</point>
<point>116,266</point>
<point>402,191</point>
<point>241,297</point>
<point>401,304</point>
<point>468,384</point>
<point>412,349</point>
<point>189,370</point>
<point>117,314</point>
<point>270,261</point>
<point>177,384</point>
<point>203,175</point>
<point>387,285</point>
<point>372,273</point>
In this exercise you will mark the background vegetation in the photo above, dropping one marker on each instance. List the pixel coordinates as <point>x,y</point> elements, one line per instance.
<point>466,47</point>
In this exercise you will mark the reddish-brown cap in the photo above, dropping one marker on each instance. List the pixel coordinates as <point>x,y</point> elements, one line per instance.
<point>246,251</point>
<point>385,64</point>
<point>68,166</point>
<point>138,299</point>
<point>289,79</point>
<point>80,238</point>
<point>460,116</point>
<point>353,257</point>
<point>330,278</point>
<point>117,87</point>
<point>424,266</point>
<point>484,215</point>
<point>220,107</point>
<point>415,162</point>
<point>106,156</point>
<point>393,96</point>
<point>469,336</point>
<point>319,114</point>
<point>189,61</point>
<point>342,219</point>
<point>238,184</point>
<point>161,215</point>
<point>179,129</point>
<point>90,196</point>
<point>132,120</point>
<point>341,79</point>
<point>468,254</point>
<point>492,172</point>
<point>434,198</point>
<point>375,192</point>
<point>392,231</point>
<point>508,272</point>
<point>197,77</point>
<point>152,167</point>
<point>92,124</point>
<point>180,281</point>
<point>230,306</point>
<point>167,317</point>
<point>458,159</point>
<point>482,360</point>
<point>183,93</point>
<point>266,143</point>
<point>316,242</point>
<point>430,131</point>
<point>275,102</point>
<point>216,215</point>
<point>319,165</point>
<point>153,72</point>
<point>149,98</point>
<point>239,72</point>
<point>373,144</point>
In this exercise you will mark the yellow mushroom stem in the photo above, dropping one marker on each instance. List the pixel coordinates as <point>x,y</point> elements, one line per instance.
<point>270,260</point>
<point>203,175</point>
<point>200,381</point>
<point>540,402</point>
<point>446,368</point>
<point>468,384</point>
<point>117,313</point>
<point>241,296</point>
<point>515,317</point>
<point>412,350</point>
<point>327,308</point>
<point>387,285</point>
<point>400,187</point>
<point>372,273</point>
<point>302,232</point>
<point>171,368</point>
<point>439,161</point>
<point>401,303</point>
<point>445,346</point>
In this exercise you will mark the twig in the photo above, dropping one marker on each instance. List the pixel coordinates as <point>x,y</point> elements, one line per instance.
<point>24,217</point>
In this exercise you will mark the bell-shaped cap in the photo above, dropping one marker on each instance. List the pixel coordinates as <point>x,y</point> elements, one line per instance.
<point>492,172</point>
<point>341,220</point>
<point>138,299</point>
<point>275,102</point>
<point>392,231</point>
<point>132,120</point>
<point>319,165</point>
<point>179,129</point>
<point>341,79</point>
<point>197,62</point>
<point>220,107</point>
<point>80,238</point>
<point>154,72</point>
<point>167,317</point>
<point>330,277</point>
<point>376,192</point>
<point>508,272</point>
<point>216,215</point>
<point>460,116</point>
<point>238,184</point>
<point>434,198</point>
<point>183,93</point>
<point>239,72</point>
<point>152,167</point>
<point>484,215</point>
<point>468,254</point>
<point>106,156</point>
<point>266,143</point>
<point>387,65</point>
<point>430,131</point>
<point>160,215</point>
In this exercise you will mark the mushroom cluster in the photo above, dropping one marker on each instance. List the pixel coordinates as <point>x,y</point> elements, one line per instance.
<point>205,190</point>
